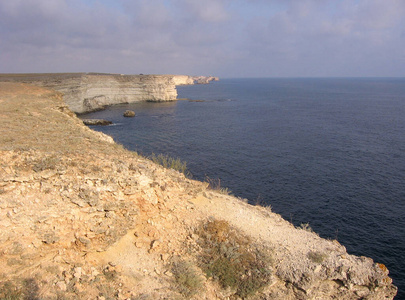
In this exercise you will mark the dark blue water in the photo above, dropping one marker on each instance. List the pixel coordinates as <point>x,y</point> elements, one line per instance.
<point>328,152</point>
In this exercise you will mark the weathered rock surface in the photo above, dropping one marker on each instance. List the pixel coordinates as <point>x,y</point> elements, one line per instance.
<point>187,80</point>
<point>100,122</point>
<point>129,114</point>
<point>83,218</point>
<point>84,92</point>
<point>204,79</point>
<point>183,80</point>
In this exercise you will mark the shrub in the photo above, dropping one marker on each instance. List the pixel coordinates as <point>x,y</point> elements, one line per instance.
<point>107,291</point>
<point>316,257</point>
<point>9,291</point>
<point>230,258</point>
<point>47,163</point>
<point>215,184</point>
<point>188,280</point>
<point>306,227</point>
<point>23,289</point>
<point>170,163</point>
<point>31,289</point>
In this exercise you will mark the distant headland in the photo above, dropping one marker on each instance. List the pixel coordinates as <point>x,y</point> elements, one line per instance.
<point>85,92</point>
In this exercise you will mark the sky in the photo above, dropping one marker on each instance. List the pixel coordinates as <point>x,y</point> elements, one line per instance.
<point>225,38</point>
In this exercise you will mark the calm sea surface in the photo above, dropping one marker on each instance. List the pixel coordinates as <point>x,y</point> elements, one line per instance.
<point>328,152</point>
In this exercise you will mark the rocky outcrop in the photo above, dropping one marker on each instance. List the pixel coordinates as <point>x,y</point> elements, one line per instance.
<point>204,79</point>
<point>84,92</point>
<point>183,80</point>
<point>83,218</point>
<point>188,80</point>
<point>100,122</point>
<point>129,114</point>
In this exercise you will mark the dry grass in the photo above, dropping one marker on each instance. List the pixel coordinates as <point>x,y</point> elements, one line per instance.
<point>215,185</point>
<point>9,291</point>
<point>316,257</point>
<point>33,118</point>
<point>188,280</point>
<point>24,289</point>
<point>170,163</point>
<point>306,227</point>
<point>232,259</point>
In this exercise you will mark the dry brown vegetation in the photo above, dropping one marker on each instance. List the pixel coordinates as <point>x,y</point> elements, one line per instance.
<point>232,258</point>
<point>22,123</point>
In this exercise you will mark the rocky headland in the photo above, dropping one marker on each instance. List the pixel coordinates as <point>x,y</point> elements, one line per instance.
<point>83,218</point>
<point>85,92</point>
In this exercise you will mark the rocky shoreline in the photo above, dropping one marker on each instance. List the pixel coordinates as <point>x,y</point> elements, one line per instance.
<point>100,122</point>
<point>85,92</point>
<point>83,218</point>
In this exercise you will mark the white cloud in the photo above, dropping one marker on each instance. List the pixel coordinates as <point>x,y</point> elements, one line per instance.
<point>224,37</point>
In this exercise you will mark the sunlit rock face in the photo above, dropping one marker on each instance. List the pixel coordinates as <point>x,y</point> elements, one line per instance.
<point>204,79</point>
<point>84,92</point>
<point>95,91</point>
<point>183,80</point>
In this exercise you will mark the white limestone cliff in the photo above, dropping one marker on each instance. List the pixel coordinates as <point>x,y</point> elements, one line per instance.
<point>183,80</point>
<point>84,92</point>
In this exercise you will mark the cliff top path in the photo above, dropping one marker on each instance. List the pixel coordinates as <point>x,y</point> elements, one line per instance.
<point>83,218</point>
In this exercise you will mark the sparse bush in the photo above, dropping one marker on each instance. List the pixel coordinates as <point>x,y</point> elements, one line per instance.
<point>96,169</point>
<point>230,257</point>
<point>23,289</point>
<point>110,274</point>
<point>215,184</point>
<point>107,291</point>
<point>47,163</point>
<point>316,257</point>
<point>188,280</point>
<point>8,291</point>
<point>72,163</point>
<point>306,227</point>
<point>170,163</point>
<point>31,289</point>
<point>260,201</point>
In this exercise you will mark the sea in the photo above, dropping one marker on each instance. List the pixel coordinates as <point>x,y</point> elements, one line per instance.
<point>328,153</point>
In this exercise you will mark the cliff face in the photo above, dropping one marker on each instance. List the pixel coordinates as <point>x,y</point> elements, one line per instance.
<point>98,91</point>
<point>81,218</point>
<point>183,80</point>
<point>204,79</point>
<point>89,92</point>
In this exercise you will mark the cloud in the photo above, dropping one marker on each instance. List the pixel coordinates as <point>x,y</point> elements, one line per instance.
<point>206,11</point>
<point>329,38</point>
<point>73,24</point>
<point>221,37</point>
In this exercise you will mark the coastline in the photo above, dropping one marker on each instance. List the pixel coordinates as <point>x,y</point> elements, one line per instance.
<point>106,210</point>
<point>86,92</point>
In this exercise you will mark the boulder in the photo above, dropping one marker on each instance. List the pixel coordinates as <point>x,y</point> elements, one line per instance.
<point>96,122</point>
<point>129,114</point>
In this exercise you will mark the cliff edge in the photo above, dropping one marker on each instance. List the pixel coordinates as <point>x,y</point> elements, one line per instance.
<point>83,218</point>
<point>85,92</point>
